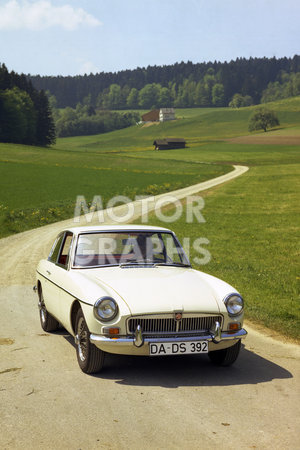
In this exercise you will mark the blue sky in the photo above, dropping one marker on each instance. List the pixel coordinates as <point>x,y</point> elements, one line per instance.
<point>70,37</point>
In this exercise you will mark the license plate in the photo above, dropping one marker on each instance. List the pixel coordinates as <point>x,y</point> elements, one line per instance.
<point>178,348</point>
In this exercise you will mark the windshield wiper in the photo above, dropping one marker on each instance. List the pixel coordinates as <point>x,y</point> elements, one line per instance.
<point>172,264</point>
<point>137,263</point>
<point>152,263</point>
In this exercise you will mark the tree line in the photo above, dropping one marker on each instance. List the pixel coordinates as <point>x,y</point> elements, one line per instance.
<point>287,85</point>
<point>84,120</point>
<point>208,92</point>
<point>25,114</point>
<point>34,109</point>
<point>180,85</point>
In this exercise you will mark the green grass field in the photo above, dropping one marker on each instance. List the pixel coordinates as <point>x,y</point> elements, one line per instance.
<point>252,223</point>
<point>36,190</point>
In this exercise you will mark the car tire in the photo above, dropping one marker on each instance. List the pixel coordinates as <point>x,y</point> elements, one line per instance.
<point>89,357</point>
<point>227,356</point>
<point>48,322</point>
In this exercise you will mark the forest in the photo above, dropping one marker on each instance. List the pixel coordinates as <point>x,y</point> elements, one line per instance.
<point>25,114</point>
<point>85,120</point>
<point>181,85</point>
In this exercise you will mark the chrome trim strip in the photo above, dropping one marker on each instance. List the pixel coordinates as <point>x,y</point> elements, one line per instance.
<point>225,336</point>
<point>68,292</point>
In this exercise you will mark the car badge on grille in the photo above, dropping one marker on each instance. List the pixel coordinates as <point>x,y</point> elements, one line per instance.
<point>178,316</point>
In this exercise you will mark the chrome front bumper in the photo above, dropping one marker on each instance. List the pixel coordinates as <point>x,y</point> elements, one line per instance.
<point>138,340</point>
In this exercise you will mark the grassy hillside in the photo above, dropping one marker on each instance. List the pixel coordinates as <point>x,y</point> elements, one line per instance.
<point>197,126</point>
<point>40,185</point>
<point>252,223</point>
<point>48,180</point>
<point>37,190</point>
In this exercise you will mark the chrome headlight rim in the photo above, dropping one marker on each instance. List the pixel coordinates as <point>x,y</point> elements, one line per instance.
<point>113,304</point>
<point>227,300</point>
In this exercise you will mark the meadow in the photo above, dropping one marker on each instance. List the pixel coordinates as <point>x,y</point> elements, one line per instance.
<point>40,186</point>
<point>252,223</point>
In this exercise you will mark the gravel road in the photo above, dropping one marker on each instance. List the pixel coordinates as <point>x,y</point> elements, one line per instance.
<point>46,402</point>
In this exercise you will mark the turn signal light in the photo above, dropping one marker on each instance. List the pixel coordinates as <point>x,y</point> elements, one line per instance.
<point>234,326</point>
<point>111,331</point>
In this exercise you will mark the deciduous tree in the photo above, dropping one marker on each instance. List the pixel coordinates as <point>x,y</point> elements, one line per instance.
<point>148,96</point>
<point>133,99</point>
<point>218,95</point>
<point>238,101</point>
<point>262,119</point>
<point>19,119</point>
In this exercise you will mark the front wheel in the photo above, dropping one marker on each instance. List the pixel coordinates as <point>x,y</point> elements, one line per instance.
<point>48,322</point>
<point>227,356</point>
<point>89,357</point>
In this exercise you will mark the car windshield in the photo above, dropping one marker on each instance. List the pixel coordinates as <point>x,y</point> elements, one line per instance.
<point>128,248</point>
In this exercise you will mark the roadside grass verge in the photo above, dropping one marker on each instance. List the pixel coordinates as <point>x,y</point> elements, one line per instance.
<point>252,224</point>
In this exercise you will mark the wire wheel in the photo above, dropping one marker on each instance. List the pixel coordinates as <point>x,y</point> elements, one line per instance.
<point>43,312</point>
<point>82,339</point>
<point>89,357</point>
<point>48,322</point>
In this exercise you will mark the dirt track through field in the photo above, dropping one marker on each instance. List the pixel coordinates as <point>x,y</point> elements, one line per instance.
<point>46,402</point>
<point>266,139</point>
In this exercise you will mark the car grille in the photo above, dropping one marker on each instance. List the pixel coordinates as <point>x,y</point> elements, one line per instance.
<point>187,325</point>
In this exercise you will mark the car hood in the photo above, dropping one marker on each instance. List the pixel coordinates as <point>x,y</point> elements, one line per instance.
<point>159,289</point>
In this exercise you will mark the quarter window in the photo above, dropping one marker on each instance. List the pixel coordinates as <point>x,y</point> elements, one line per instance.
<point>65,251</point>
<point>55,249</point>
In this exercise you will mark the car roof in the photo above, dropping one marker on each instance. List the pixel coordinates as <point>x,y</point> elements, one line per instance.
<point>121,227</point>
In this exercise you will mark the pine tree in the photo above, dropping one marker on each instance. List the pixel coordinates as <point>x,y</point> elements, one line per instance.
<point>45,129</point>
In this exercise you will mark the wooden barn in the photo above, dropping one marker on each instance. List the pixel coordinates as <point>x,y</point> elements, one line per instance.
<point>159,115</point>
<point>152,116</point>
<point>169,143</point>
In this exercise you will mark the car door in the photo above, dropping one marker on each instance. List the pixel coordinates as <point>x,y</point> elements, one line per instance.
<point>56,269</point>
<point>65,298</point>
<point>49,287</point>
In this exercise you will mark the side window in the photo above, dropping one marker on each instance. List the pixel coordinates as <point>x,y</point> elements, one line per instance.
<point>55,249</point>
<point>65,251</point>
<point>173,253</point>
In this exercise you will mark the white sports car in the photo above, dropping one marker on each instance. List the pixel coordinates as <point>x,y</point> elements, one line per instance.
<point>131,290</point>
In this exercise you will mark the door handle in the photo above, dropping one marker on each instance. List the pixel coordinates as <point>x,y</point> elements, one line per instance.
<point>49,273</point>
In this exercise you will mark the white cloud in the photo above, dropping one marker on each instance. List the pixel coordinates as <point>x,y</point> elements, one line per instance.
<point>88,67</point>
<point>41,14</point>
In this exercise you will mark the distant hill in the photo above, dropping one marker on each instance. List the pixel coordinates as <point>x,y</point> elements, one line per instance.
<point>181,84</point>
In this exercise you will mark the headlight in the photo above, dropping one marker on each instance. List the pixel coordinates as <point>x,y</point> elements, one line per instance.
<point>105,309</point>
<point>234,304</point>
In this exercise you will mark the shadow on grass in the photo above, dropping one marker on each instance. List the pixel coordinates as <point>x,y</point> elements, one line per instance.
<point>189,370</point>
